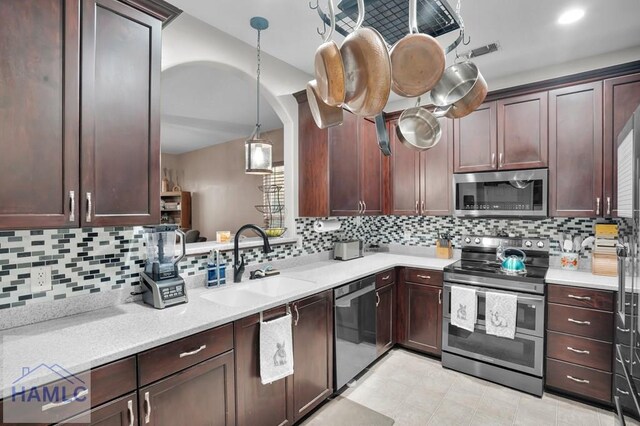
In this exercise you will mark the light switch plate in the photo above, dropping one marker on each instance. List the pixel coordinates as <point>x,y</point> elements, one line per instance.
<point>40,279</point>
<point>407,234</point>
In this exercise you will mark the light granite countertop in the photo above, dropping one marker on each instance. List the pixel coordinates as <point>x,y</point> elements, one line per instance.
<point>581,279</point>
<point>94,338</point>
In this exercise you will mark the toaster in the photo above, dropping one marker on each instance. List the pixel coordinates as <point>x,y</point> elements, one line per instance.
<point>347,250</point>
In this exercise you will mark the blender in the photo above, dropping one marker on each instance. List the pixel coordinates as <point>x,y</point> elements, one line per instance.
<point>161,284</point>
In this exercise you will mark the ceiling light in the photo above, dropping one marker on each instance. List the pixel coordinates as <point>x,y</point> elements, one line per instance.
<point>570,16</point>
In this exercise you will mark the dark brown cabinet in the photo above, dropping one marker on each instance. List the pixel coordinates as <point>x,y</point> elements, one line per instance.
<point>420,310</point>
<point>121,412</point>
<point>385,313</point>
<point>204,393</point>
<point>575,151</point>
<point>355,168</point>
<point>259,404</point>
<point>475,140</point>
<point>312,352</point>
<point>420,182</point>
<point>621,99</point>
<point>39,113</point>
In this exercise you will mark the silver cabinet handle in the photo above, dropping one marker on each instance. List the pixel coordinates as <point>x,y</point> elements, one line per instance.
<point>147,408</point>
<point>579,322</point>
<point>424,277</point>
<point>89,207</point>
<point>597,205</point>
<point>422,207</point>
<point>440,297</point>
<point>364,207</point>
<point>201,348</point>
<point>608,206</point>
<point>377,299</point>
<point>359,206</point>
<point>579,297</point>
<point>295,308</point>
<point>578,351</point>
<point>386,278</point>
<point>130,410</point>
<point>578,380</point>
<point>72,207</point>
<point>417,207</point>
<point>493,159</point>
<point>51,405</point>
<point>621,391</point>
<point>501,159</point>
<point>624,330</point>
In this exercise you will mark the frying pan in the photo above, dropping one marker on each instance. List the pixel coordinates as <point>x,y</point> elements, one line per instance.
<point>420,129</point>
<point>417,60</point>
<point>329,69</point>
<point>462,88</point>
<point>324,115</point>
<point>367,69</point>
<point>383,135</point>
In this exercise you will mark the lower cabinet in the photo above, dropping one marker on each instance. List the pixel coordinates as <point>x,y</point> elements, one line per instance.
<point>121,412</point>
<point>385,313</point>
<point>312,352</point>
<point>202,395</point>
<point>420,310</point>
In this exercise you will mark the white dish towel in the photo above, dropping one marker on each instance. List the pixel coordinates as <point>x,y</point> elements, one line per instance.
<point>501,314</point>
<point>276,349</point>
<point>464,307</point>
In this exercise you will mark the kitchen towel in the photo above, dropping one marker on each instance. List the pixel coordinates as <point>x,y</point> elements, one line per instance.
<point>322,226</point>
<point>501,314</point>
<point>464,307</point>
<point>276,349</point>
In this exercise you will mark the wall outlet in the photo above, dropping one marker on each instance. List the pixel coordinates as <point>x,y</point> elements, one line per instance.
<point>407,234</point>
<point>40,279</point>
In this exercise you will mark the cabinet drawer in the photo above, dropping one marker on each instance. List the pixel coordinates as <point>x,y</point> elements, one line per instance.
<point>579,380</point>
<point>579,350</point>
<point>582,297</point>
<point>581,322</point>
<point>164,360</point>
<point>423,276</point>
<point>385,278</point>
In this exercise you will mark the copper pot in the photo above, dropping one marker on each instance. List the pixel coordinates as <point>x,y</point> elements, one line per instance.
<point>329,69</point>
<point>324,115</point>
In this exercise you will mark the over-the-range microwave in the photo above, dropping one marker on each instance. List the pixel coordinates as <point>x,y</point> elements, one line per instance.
<point>501,194</point>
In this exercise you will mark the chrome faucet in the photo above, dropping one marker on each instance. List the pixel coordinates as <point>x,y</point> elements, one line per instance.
<point>238,261</point>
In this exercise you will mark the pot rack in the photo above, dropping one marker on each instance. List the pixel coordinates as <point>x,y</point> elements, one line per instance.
<point>389,17</point>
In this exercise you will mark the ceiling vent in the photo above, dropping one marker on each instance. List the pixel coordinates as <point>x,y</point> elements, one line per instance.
<point>480,51</point>
<point>391,17</point>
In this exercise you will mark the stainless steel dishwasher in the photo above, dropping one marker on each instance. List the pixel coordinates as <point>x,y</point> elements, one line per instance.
<point>355,329</point>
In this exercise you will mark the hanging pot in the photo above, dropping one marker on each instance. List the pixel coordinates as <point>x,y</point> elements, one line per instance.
<point>417,60</point>
<point>383,135</point>
<point>462,88</point>
<point>329,69</point>
<point>418,128</point>
<point>367,69</point>
<point>324,115</point>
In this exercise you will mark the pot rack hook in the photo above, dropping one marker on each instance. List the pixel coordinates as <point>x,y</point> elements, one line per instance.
<point>312,7</point>
<point>468,39</point>
<point>324,28</point>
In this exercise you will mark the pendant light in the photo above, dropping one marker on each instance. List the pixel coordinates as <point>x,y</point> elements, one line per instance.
<point>258,151</point>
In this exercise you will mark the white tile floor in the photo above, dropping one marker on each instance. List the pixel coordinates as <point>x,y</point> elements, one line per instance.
<point>415,390</point>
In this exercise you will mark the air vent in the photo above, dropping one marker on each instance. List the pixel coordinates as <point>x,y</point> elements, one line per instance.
<point>479,51</point>
<point>391,17</point>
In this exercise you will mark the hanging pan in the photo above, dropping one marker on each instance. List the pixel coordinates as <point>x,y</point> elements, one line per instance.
<point>462,88</point>
<point>417,60</point>
<point>324,115</point>
<point>383,135</point>
<point>418,128</point>
<point>367,69</point>
<point>328,66</point>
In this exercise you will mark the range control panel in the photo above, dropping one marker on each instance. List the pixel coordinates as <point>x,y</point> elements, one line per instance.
<point>529,244</point>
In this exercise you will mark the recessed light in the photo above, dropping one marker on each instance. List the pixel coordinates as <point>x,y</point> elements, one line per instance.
<point>570,16</point>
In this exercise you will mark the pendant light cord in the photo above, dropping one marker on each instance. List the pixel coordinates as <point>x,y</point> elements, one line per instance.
<point>257,131</point>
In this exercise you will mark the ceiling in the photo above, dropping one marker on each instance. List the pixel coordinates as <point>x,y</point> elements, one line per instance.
<point>204,106</point>
<point>529,36</point>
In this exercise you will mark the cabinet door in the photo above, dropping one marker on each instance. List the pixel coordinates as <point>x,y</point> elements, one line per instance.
<point>421,309</point>
<point>121,412</point>
<point>370,161</point>
<point>436,174</point>
<point>39,86</point>
<point>259,404</point>
<point>385,310</point>
<point>203,394</point>
<point>575,151</point>
<point>523,132</point>
<point>313,157</point>
<point>404,176</point>
<point>344,172</point>
<point>120,136</point>
<point>312,352</point>
<point>621,99</point>
<point>475,140</point>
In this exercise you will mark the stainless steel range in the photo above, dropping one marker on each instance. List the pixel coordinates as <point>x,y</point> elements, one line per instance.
<point>516,362</point>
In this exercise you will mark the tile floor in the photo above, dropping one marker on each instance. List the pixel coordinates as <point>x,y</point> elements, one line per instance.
<point>414,390</point>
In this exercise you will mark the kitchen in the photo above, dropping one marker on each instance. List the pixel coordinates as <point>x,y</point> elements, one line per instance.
<point>533,169</point>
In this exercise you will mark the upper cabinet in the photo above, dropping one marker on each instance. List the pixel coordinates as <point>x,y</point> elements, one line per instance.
<point>575,151</point>
<point>621,98</point>
<point>100,62</point>
<point>508,134</point>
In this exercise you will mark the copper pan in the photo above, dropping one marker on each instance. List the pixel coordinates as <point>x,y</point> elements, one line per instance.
<point>417,60</point>
<point>328,67</point>
<point>367,69</point>
<point>324,115</point>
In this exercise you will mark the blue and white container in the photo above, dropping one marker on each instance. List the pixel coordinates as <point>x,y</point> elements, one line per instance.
<point>216,270</point>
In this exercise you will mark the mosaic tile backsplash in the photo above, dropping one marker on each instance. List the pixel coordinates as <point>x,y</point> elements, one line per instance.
<point>91,260</point>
